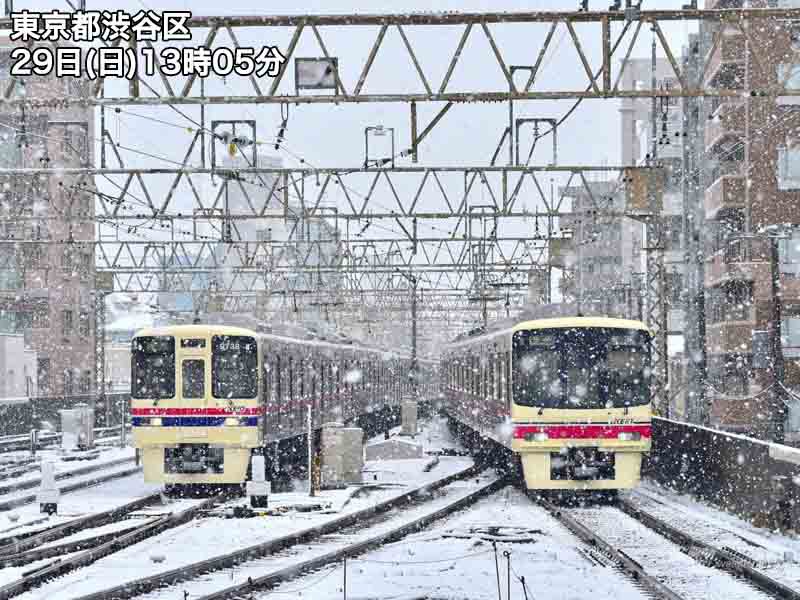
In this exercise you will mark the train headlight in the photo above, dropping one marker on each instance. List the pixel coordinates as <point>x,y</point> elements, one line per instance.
<point>231,421</point>
<point>539,436</point>
<point>629,436</point>
<point>155,422</point>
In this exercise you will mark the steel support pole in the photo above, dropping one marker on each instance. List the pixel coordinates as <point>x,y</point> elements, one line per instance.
<point>100,354</point>
<point>414,382</point>
<point>656,314</point>
<point>778,410</point>
<point>310,433</point>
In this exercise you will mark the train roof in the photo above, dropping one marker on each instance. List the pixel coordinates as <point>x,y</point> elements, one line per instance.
<point>510,326</point>
<point>198,329</point>
<point>279,332</point>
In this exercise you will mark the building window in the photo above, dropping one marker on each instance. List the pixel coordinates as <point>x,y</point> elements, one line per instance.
<point>675,224</point>
<point>83,324</point>
<point>788,75</point>
<point>66,320</point>
<point>66,261</point>
<point>86,382</point>
<point>732,301</point>
<point>86,264</point>
<point>788,167</point>
<point>43,375</point>
<point>674,287</point>
<point>41,317</point>
<point>68,382</point>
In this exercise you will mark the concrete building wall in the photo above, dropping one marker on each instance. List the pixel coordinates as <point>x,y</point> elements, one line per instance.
<point>17,367</point>
<point>118,367</point>
<point>46,289</point>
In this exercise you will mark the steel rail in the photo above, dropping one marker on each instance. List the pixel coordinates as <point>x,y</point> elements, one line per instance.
<point>14,546</point>
<point>37,554</point>
<point>71,487</point>
<point>717,557</point>
<point>626,564</point>
<point>22,442</point>
<point>272,579</point>
<point>58,568</point>
<point>32,483</point>
<point>145,585</point>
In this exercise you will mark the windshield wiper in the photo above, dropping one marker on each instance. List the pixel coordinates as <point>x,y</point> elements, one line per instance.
<point>541,411</point>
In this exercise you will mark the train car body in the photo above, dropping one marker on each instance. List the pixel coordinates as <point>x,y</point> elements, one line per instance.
<point>569,396</point>
<point>205,397</point>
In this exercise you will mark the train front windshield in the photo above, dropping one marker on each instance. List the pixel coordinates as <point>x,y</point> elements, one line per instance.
<point>153,367</point>
<point>234,366</point>
<point>581,368</point>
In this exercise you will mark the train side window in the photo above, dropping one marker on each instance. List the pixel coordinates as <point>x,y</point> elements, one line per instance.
<point>500,378</point>
<point>313,382</point>
<point>193,375</point>
<point>302,369</point>
<point>490,371</point>
<point>291,380</point>
<point>278,378</point>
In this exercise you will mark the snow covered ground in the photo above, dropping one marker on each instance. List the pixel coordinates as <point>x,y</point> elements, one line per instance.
<point>775,554</point>
<point>455,560</point>
<point>76,504</point>
<point>216,534</point>
<point>61,464</point>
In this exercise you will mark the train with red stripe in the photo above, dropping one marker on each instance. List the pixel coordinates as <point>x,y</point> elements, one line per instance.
<point>569,397</point>
<point>206,398</point>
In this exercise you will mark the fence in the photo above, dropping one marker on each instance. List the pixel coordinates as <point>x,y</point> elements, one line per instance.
<point>744,476</point>
<point>20,416</point>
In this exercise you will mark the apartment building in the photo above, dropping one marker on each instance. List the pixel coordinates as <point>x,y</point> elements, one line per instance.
<point>749,180</point>
<point>46,281</point>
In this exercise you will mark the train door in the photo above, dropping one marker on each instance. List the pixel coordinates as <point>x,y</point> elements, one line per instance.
<point>193,378</point>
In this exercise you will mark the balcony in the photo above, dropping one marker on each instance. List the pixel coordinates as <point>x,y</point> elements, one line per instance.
<point>727,192</point>
<point>730,337</point>
<point>745,259</point>
<point>790,337</point>
<point>790,283</point>
<point>718,4</point>
<point>727,125</point>
<point>726,64</point>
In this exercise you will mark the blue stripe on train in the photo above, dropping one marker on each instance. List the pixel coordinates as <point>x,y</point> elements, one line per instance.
<point>193,421</point>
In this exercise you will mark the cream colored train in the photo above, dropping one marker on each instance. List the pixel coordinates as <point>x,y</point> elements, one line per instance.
<point>569,396</point>
<point>204,398</point>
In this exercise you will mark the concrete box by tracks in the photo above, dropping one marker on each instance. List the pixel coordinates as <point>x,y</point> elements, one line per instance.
<point>408,415</point>
<point>342,456</point>
<point>77,427</point>
<point>393,449</point>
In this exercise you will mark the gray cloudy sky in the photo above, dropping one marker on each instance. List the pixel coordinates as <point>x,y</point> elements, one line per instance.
<point>327,135</point>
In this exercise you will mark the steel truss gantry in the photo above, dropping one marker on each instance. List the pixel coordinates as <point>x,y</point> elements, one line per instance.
<point>366,35</point>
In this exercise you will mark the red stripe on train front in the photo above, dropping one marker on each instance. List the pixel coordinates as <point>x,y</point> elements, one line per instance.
<point>192,412</point>
<point>566,432</point>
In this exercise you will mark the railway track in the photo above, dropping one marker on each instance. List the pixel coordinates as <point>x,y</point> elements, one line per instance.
<point>72,482</point>
<point>16,443</point>
<point>296,546</point>
<point>99,546</point>
<point>624,563</point>
<point>714,546</point>
<point>643,551</point>
<point>23,550</point>
<point>35,482</point>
